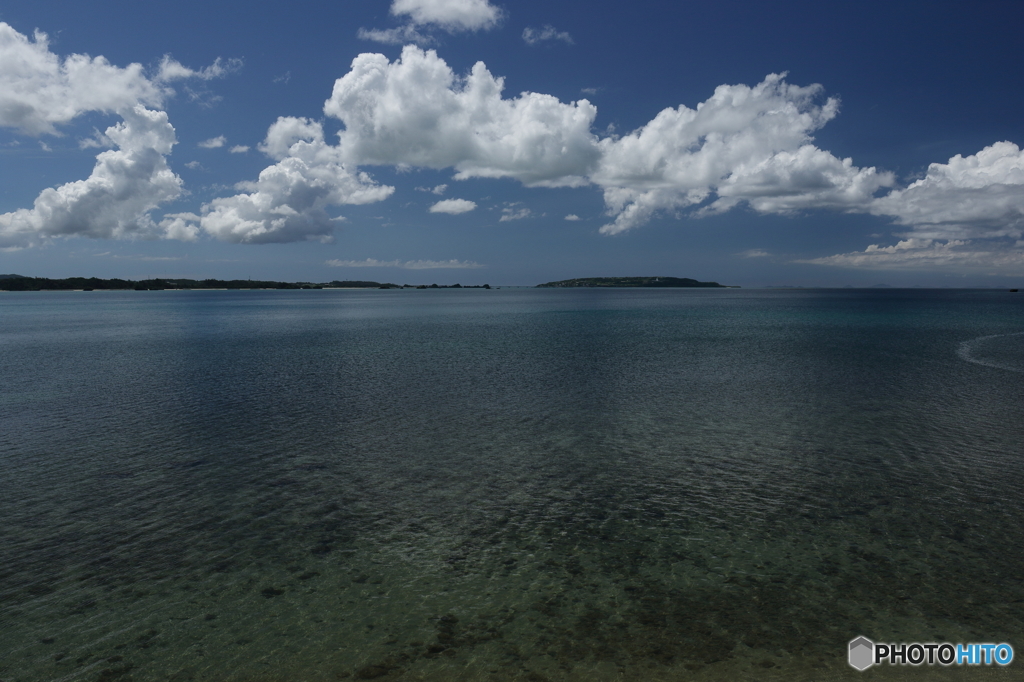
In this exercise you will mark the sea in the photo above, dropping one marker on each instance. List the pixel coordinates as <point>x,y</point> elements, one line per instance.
<point>507,484</point>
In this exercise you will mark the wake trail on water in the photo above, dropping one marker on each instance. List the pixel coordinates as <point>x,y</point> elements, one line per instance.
<point>966,352</point>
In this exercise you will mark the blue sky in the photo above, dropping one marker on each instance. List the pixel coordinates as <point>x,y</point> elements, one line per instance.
<point>797,143</point>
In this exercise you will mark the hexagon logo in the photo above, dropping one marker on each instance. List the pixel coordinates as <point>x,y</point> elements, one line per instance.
<point>862,653</point>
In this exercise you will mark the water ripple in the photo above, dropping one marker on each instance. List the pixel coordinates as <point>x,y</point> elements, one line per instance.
<point>968,351</point>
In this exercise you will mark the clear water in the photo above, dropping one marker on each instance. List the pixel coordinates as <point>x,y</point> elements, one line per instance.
<point>506,485</point>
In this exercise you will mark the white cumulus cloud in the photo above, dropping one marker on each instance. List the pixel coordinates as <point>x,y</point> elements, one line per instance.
<point>425,16</point>
<point>453,206</point>
<point>115,200</point>
<point>452,15</point>
<point>961,215</point>
<point>981,195</point>
<point>40,90</point>
<point>743,145</point>
<point>416,111</point>
<point>180,226</point>
<point>239,149</point>
<point>288,202</point>
<point>213,142</point>
<point>572,217</point>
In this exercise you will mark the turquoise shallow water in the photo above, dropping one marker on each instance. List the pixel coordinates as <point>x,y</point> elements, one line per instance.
<point>509,484</point>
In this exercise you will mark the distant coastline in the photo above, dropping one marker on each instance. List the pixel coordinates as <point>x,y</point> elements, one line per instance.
<point>634,282</point>
<point>20,283</point>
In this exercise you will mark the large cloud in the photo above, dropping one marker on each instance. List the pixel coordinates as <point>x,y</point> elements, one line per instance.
<point>115,200</point>
<point>990,256</point>
<point>40,91</point>
<point>963,215</point>
<point>981,195</point>
<point>744,144</point>
<point>417,112</point>
<point>288,201</point>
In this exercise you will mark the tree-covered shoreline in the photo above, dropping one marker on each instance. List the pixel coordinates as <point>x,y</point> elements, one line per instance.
<point>19,283</point>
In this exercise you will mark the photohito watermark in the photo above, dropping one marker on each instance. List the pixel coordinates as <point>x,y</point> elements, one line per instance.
<point>864,653</point>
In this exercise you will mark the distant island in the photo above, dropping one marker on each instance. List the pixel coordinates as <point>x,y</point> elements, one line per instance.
<point>633,282</point>
<point>19,283</point>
